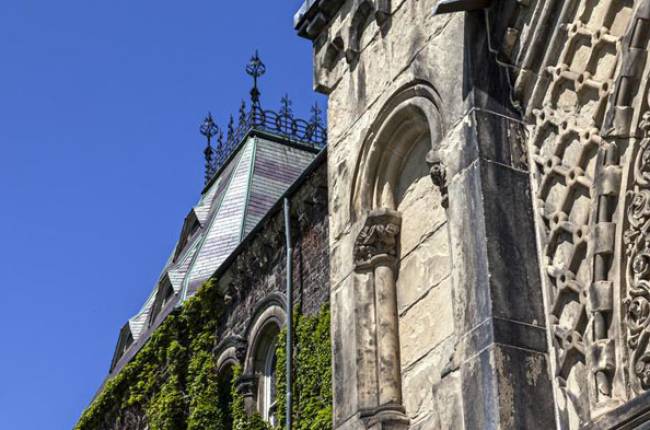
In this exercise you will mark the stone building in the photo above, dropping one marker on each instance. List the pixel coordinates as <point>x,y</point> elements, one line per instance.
<point>488,187</point>
<point>489,205</point>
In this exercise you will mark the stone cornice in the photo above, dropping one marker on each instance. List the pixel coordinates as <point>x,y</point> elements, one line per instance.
<point>314,15</point>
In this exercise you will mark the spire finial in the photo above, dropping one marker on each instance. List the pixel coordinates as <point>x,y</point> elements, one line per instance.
<point>231,129</point>
<point>208,129</point>
<point>316,115</point>
<point>242,113</point>
<point>255,69</point>
<point>285,108</point>
<point>219,149</point>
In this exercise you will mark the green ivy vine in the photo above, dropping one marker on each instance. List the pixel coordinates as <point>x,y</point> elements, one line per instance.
<point>173,382</point>
<point>312,378</point>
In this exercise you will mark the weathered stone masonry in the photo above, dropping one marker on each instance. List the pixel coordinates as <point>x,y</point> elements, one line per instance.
<point>534,118</point>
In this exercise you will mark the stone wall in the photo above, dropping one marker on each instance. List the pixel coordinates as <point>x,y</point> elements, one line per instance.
<point>412,48</point>
<point>536,117</point>
<point>438,317</point>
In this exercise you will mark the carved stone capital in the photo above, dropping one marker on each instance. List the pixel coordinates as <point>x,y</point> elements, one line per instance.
<point>378,240</point>
<point>246,385</point>
<point>438,172</point>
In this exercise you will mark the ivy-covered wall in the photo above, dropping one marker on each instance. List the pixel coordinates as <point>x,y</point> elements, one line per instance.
<point>172,383</point>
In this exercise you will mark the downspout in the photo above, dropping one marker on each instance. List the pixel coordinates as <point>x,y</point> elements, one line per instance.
<point>289,340</point>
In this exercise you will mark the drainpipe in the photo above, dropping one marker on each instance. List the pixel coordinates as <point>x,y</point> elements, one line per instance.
<point>289,340</point>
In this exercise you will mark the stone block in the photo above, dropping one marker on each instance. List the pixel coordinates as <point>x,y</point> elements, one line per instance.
<point>422,213</point>
<point>344,353</point>
<point>447,405</point>
<point>419,379</point>
<point>428,322</point>
<point>470,274</point>
<point>342,261</point>
<point>424,268</point>
<point>515,285</point>
<point>507,388</point>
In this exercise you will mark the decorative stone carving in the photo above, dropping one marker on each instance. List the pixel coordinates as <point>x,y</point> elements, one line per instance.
<point>438,172</point>
<point>377,241</point>
<point>382,11</point>
<point>240,352</point>
<point>576,177</point>
<point>246,385</point>
<point>637,270</point>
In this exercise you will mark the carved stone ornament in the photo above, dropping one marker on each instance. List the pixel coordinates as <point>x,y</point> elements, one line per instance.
<point>246,385</point>
<point>637,249</point>
<point>378,238</point>
<point>438,173</point>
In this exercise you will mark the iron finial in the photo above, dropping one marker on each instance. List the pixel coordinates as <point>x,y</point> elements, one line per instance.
<point>231,129</point>
<point>219,150</point>
<point>208,129</point>
<point>285,109</point>
<point>316,115</point>
<point>255,69</point>
<point>242,113</point>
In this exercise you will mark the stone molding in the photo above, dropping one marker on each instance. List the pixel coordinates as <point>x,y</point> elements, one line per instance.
<point>269,312</point>
<point>231,350</point>
<point>593,252</point>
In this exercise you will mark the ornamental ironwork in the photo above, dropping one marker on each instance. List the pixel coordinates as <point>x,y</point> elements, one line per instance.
<point>282,123</point>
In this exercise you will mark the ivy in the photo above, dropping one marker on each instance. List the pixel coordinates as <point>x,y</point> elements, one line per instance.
<point>205,409</point>
<point>172,381</point>
<point>312,379</point>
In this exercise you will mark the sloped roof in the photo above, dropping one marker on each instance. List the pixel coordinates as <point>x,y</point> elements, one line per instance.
<point>232,204</point>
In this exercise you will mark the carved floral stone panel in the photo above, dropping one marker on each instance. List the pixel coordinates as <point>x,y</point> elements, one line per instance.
<point>637,267</point>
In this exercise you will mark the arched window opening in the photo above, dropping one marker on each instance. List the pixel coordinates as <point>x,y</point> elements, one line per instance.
<point>265,371</point>
<point>225,382</point>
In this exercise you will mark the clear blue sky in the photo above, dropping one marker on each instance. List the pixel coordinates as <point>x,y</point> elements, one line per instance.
<point>100,160</point>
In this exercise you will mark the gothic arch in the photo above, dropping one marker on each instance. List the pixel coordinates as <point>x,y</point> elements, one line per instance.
<point>586,106</point>
<point>411,113</point>
<point>629,149</point>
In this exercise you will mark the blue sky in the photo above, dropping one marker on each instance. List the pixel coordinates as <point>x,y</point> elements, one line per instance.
<point>100,160</point>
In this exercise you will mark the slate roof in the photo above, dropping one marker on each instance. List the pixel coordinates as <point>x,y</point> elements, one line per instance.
<point>229,208</point>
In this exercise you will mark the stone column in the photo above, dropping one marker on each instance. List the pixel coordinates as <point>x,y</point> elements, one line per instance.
<point>375,252</point>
